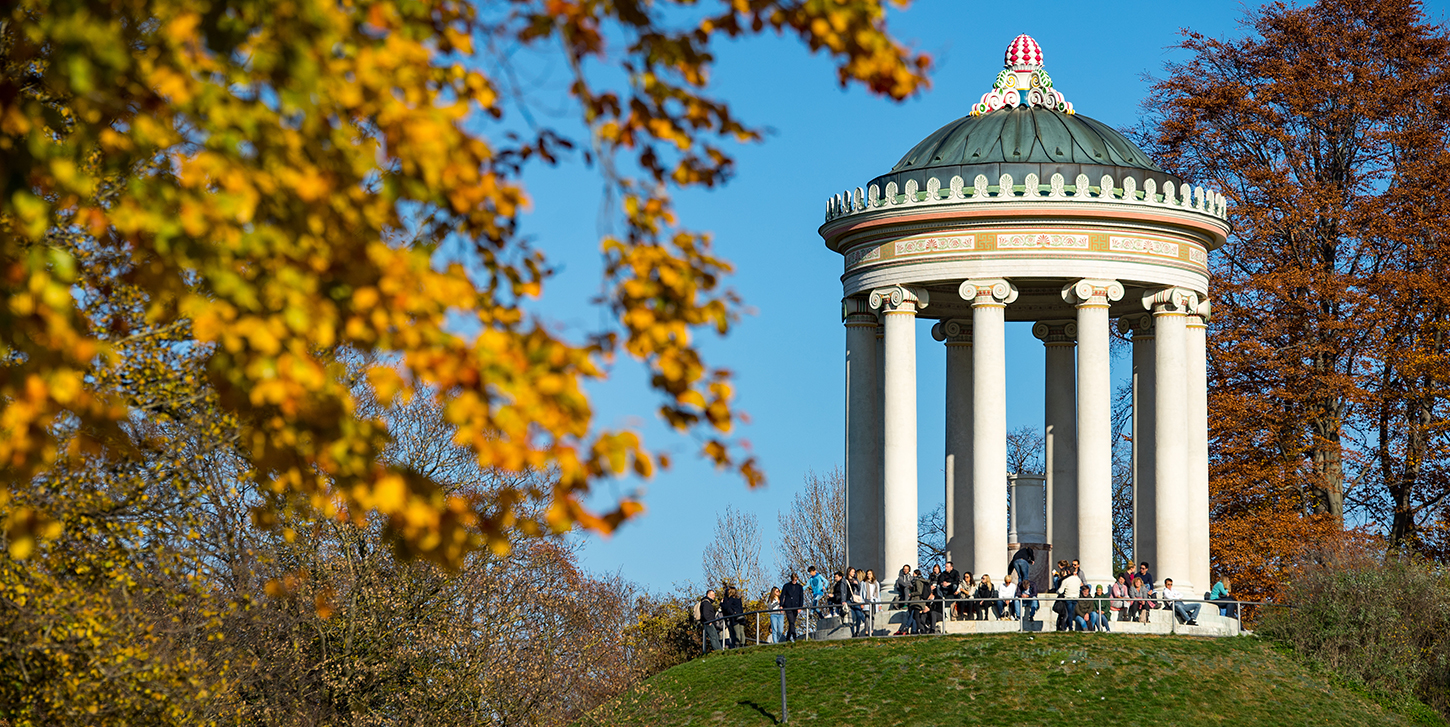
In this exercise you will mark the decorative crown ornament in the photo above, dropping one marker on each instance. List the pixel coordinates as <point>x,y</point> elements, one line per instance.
<point>1021,75</point>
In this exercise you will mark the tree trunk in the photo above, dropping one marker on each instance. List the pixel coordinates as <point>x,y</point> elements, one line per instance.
<point>1328,458</point>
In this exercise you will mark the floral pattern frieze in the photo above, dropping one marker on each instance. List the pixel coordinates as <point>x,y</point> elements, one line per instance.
<point>1043,241</point>
<point>922,245</point>
<point>1143,245</point>
<point>862,255</point>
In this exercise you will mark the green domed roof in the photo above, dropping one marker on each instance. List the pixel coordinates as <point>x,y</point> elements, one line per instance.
<point>1021,141</point>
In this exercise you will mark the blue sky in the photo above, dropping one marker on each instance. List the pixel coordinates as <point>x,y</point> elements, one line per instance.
<point>787,353</point>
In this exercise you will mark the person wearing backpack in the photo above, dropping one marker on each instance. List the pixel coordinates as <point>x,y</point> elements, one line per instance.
<point>706,613</point>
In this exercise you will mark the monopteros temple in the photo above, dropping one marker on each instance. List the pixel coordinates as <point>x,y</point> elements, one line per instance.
<point>1024,210</point>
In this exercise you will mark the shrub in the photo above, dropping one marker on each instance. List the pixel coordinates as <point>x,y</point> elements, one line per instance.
<point>1383,622</point>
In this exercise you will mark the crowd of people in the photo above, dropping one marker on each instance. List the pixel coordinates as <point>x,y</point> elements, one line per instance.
<point>944,593</point>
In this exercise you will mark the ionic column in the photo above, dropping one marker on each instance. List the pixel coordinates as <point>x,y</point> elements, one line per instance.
<point>1145,536</point>
<point>863,444</point>
<point>989,299</point>
<point>1170,308</point>
<point>1059,339</point>
<point>957,334</point>
<point>1094,427</point>
<point>899,305</point>
<point>1196,325</point>
<point>879,435</point>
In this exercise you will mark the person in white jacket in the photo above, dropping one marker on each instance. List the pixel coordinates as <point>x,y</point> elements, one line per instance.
<point>1186,611</point>
<point>1008,592</point>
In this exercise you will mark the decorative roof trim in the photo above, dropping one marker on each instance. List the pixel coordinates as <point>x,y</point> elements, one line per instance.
<point>1186,198</point>
<point>1022,75</point>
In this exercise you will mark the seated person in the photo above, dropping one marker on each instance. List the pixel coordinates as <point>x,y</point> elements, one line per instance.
<point>1027,600</point>
<point>1119,599</point>
<point>1085,616</point>
<point>1140,601</point>
<point>1008,592</point>
<point>1222,598</point>
<point>1187,612</point>
<point>986,590</point>
<point>1102,612</point>
<point>968,589</point>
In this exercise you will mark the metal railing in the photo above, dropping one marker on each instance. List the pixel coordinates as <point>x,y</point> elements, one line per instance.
<point>809,616</point>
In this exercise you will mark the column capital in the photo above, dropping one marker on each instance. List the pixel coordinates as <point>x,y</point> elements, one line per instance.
<point>1171,301</point>
<point>1138,324</point>
<point>857,312</point>
<point>1056,333</point>
<point>1199,316</point>
<point>1092,292</point>
<point>899,299</point>
<point>988,291</point>
<point>955,331</point>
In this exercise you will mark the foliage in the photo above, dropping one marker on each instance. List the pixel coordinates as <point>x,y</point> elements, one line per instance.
<point>813,529</point>
<point>160,601</point>
<point>1383,622</point>
<point>1329,393</point>
<point>275,181</point>
<point>996,680</point>
<point>662,635</point>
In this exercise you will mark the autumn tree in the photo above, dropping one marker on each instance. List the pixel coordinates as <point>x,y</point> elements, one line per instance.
<point>812,531</point>
<point>277,181</point>
<point>1327,127</point>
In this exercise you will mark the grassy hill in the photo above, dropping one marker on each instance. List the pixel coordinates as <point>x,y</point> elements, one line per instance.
<point>1006,679</point>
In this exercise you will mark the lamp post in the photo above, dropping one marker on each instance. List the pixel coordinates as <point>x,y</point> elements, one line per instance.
<point>784,713</point>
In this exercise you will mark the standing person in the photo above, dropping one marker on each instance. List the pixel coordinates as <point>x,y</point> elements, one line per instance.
<point>732,608</point>
<point>1067,591</point>
<point>871,591</point>
<point>1221,597</point>
<point>792,599</point>
<point>1188,612</point>
<point>816,585</point>
<point>1076,569</point>
<point>920,595</point>
<point>853,599</point>
<point>777,616</point>
<point>839,595</point>
<point>1119,603</point>
<point>1021,564</point>
<point>708,614</point>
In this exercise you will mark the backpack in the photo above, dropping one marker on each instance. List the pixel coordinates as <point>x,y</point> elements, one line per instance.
<point>695,610</point>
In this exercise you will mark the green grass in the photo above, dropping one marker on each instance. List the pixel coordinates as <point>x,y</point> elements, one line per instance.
<point>1006,679</point>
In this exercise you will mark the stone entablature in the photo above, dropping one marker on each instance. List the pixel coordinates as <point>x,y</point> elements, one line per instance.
<point>1160,248</point>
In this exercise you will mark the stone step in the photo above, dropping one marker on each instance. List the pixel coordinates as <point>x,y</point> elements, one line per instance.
<point>1160,621</point>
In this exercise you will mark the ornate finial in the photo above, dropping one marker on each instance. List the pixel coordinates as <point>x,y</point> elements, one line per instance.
<point>1022,74</point>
